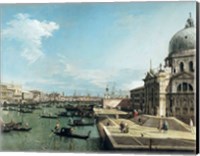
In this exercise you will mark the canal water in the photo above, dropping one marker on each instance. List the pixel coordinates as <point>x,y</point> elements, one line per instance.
<point>40,138</point>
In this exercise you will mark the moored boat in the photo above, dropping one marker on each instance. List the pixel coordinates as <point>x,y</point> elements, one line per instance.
<point>67,132</point>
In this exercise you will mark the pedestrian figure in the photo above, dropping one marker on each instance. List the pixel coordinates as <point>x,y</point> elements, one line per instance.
<point>126,128</point>
<point>165,126</point>
<point>57,127</point>
<point>139,120</point>
<point>26,125</point>
<point>135,113</point>
<point>121,126</point>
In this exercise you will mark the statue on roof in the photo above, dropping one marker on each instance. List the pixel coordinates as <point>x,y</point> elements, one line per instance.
<point>190,22</point>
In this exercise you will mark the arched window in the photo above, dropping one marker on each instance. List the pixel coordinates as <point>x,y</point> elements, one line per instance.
<point>179,88</point>
<point>191,68</point>
<point>185,86</point>
<point>181,67</point>
<point>190,87</point>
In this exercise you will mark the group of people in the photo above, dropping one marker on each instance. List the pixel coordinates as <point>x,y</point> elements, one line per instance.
<point>124,128</point>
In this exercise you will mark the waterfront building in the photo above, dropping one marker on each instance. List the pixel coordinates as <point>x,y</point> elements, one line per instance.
<point>5,94</point>
<point>39,96</point>
<point>27,96</point>
<point>11,93</point>
<point>171,91</point>
<point>17,92</point>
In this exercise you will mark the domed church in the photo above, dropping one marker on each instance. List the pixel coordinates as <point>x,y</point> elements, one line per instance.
<point>171,91</point>
<point>181,60</point>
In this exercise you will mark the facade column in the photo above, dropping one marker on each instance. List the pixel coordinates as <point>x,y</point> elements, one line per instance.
<point>163,81</point>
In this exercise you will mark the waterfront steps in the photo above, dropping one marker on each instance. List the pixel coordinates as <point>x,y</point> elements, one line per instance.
<point>142,137</point>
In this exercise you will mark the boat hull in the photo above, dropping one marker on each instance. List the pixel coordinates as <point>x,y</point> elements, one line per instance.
<point>22,129</point>
<point>66,132</point>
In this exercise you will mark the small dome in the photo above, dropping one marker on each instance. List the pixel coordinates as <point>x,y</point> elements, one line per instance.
<point>184,39</point>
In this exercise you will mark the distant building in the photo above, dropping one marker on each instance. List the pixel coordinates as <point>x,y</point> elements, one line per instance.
<point>27,96</point>
<point>5,94</point>
<point>39,96</point>
<point>111,103</point>
<point>137,98</point>
<point>125,105</point>
<point>171,91</point>
<point>11,93</point>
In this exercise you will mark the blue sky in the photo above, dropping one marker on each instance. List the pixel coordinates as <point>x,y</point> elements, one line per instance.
<point>86,46</point>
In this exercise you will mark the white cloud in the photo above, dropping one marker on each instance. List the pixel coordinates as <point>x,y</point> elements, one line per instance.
<point>122,78</point>
<point>29,32</point>
<point>98,77</point>
<point>133,84</point>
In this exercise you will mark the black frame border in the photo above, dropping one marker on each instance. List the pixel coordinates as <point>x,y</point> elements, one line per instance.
<point>197,77</point>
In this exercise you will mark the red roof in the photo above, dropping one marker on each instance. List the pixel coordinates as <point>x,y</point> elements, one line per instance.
<point>125,103</point>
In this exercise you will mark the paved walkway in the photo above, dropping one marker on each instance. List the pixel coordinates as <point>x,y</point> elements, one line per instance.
<point>144,137</point>
<point>100,111</point>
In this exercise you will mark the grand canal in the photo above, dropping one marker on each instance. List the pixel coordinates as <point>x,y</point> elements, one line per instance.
<point>40,138</point>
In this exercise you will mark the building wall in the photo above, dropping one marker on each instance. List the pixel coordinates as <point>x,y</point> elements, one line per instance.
<point>27,96</point>
<point>151,95</point>
<point>137,99</point>
<point>5,94</point>
<point>11,93</point>
<point>180,100</point>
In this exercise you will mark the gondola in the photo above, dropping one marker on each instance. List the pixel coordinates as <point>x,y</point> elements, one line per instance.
<point>67,132</point>
<point>12,124</point>
<point>26,111</point>
<point>22,129</point>
<point>80,123</point>
<point>49,116</point>
<point>5,129</point>
<point>64,114</point>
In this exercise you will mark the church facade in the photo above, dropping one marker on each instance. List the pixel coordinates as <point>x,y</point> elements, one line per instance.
<point>182,62</point>
<point>171,91</point>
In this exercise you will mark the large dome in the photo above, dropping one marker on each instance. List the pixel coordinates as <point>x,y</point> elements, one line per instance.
<point>184,39</point>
